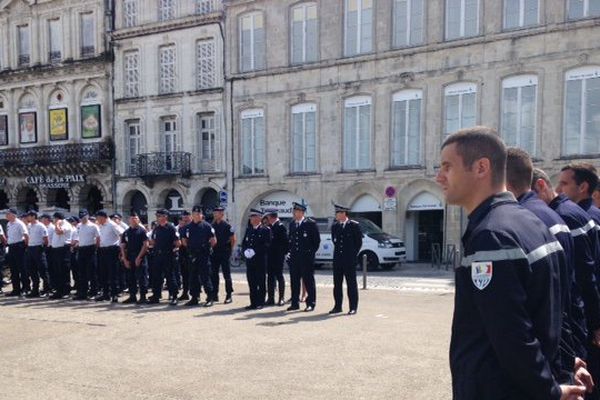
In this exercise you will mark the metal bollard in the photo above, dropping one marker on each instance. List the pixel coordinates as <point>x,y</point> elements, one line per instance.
<point>364,265</point>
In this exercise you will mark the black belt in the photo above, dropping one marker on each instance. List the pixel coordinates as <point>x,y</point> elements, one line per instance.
<point>162,252</point>
<point>21,243</point>
<point>35,247</point>
<point>87,247</point>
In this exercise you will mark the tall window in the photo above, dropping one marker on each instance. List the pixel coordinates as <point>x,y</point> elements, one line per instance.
<point>253,142</point>
<point>582,111</point>
<point>205,6</point>
<point>54,40</point>
<point>357,133</point>
<point>132,73</point>
<point>408,22</point>
<point>358,22</point>
<point>252,42</point>
<point>305,39</point>
<point>23,36</point>
<point>406,128</point>
<point>583,8</point>
<point>134,144</point>
<point>170,142</point>
<point>520,13</point>
<point>206,64</point>
<point>130,13</point>
<point>207,138</point>
<point>167,69</point>
<point>519,110</point>
<point>88,42</point>
<point>460,109</point>
<point>166,10</point>
<point>462,18</point>
<point>304,128</point>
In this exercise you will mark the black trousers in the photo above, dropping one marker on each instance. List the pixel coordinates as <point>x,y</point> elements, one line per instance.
<point>184,269</point>
<point>74,270</point>
<point>256,271</point>
<point>86,282</point>
<point>163,267</point>
<point>137,277</point>
<point>275,277</point>
<point>108,270</point>
<point>60,268</point>
<point>18,272</point>
<point>593,366</point>
<point>221,261</point>
<point>348,271</point>
<point>200,275</point>
<point>37,265</point>
<point>303,268</point>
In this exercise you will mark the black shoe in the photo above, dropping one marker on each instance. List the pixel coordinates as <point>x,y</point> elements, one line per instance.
<point>101,297</point>
<point>293,307</point>
<point>281,302</point>
<point>142,300</point>
<point>208,303</point>
<point>215,299</point>
<point>228,299</point>
<point>250,307</point>
<point>192,302</point>
<point>78,297</point>
<point>130,300</point>
<point>56,296</point>
<point>335,310</point>
<point>351,312</point>
<point>173,301</point>
<point>33,294</point>
<point>114,299</point>
<point>259,307</point>
<point>153,300</point>
<point>13,294</point>
<point>309,308</point>
<point>270,303</point>
<point>184,297</point>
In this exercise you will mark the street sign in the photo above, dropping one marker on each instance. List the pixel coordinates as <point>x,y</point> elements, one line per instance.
<point>223,198</point>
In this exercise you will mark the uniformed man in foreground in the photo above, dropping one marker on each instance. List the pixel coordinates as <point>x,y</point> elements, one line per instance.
<point>279,248</point>
<point>61,256</point>
<point>304,242</point>
<point>221,256</point>
<point>46,219</point>
<point>507,316</point>
<point>36,262</point>
<point>254,246</point>
<point>347,241</point>
<point>183,270</point>
<point>87,242</point>
<point>199,239</point>
<point>108,257</point>
<point>134,246</point>
<point>17,237</point>
<point>165,242</point>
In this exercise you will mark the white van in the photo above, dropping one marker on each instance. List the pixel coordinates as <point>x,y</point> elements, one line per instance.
<point>382,249</point>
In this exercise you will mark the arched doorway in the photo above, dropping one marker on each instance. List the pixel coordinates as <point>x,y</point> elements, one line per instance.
<point>27,199</point>
<point>367,206</point>
<point>3,200</point>
<point>91,198</point>
<point>58,198</point>
<point>424,226</point>
<point>139,204</point>
<point>281,201</point>
<point>209,200</point>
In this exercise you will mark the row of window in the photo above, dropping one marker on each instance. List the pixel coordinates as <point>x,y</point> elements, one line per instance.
<point>167,10</point>
<point>462,19</point>
<point>518,122</point>
<point>205,63</point>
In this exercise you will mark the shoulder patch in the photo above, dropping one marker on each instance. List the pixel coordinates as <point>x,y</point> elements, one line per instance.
<point>481,273</point>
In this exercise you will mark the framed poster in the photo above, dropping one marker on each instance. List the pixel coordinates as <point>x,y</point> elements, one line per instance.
<point>90,122</point>
<point>3,130</point>
<point>27,127</point>
<point>59,127</point>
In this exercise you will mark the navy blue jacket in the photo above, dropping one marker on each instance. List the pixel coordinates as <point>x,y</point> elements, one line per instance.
<point>279,242</point>
<point>507,316</point>
<point>259,240</point>
<point>304,241</point>
<point>347,243</point>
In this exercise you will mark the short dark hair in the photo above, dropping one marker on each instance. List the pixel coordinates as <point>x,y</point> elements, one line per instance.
<point>539,174</point>
<point>583,172</point>
<point>519,169</point>
<point>481,142</point>
<point>597,187</point>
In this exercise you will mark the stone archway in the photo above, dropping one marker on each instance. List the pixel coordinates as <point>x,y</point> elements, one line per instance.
<point>91,198</point>
<point>58,198</point>
<point>27,199</point>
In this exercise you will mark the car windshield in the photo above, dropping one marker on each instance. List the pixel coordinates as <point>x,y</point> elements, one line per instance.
<point>368,227</point>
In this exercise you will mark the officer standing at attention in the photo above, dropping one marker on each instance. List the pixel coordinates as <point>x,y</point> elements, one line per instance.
<point>88,240</point>
<point>221,256</point>
<point>347,241</point>
<point>61,256</point>
<point>134,246</point>
<point>277,251</point>
<point>108,257</point>
<point>17,237</point>
<point>183,271</point>
<point>165,241</point>
<point>507,315</point>
<point>255,246</point>
<point>304,243</point>
<point>73,251</point>
<point>46,219</point>
<point>199,238</point>
<point>36,258</point>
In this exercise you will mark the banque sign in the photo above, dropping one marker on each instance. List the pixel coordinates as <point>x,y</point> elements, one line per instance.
<point>55,181</point>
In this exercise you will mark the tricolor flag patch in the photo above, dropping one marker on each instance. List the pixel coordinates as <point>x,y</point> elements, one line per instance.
<point>481,274</point>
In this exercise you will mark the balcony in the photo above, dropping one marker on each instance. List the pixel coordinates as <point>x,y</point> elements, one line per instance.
<point>71,157</point>
<point>176,163</point>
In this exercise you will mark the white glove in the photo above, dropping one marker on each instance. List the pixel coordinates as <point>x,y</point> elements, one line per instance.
<point>287,257</point>
<point>249,253</point>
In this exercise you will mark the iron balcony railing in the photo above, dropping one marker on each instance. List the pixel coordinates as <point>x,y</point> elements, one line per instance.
<point>164,163</point>
<point>57,154</point>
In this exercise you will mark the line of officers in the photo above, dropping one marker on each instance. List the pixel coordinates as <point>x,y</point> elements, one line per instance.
<point>106,257</point>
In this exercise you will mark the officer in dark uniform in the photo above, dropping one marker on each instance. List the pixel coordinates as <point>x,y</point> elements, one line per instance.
<point>17,237</point>
<point>277,251</point>
<point>507,317</point>
<point>221,256</point>
<point>74,253</point>
<point>165,240</point>
<point>36,262</point>
<point>304,243</point>
<point>199,238</point>
<point>255,246</point>
<point>134,246</point>
<point>184,257</point>
<point>347,241</point>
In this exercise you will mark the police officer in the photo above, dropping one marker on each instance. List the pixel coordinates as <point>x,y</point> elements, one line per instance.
<point>87,241</point>
<point>61,256</point>
<point>199,238</point>
<point>47,287</point>
<point>347,241</point>
<point>118,219</point>
<point>304,243</point>
<point>134,246</point>
<point>254,247</point>
<point>108,257</point>
<point>74,221</point>
<point>506,325</point>
<point>17,237</point>
<point>221,255</point>
<point>183,271</point>
<point>36,262</point>
<point>277,251</point>
<point>165,241</point>
<point>2,256</point>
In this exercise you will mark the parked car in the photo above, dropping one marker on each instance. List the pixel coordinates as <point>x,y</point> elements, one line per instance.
<point>382,249</point>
